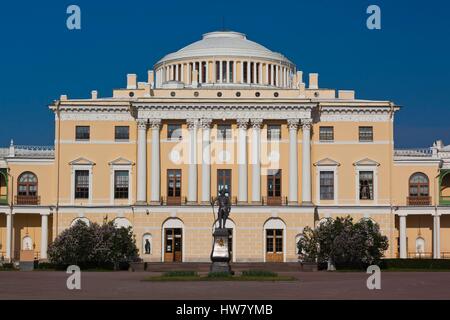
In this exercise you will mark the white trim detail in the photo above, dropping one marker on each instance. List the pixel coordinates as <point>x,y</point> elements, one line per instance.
<point>366,164</point>
<point>80,164</point>
<point>327,164</point>
<point>121,164</point>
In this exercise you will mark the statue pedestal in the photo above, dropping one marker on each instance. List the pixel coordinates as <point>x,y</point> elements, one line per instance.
<point>220,255</point>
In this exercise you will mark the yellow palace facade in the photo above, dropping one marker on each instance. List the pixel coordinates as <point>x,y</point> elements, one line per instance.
<point>224,112</point>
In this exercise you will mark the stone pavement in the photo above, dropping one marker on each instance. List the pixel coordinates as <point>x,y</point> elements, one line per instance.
<point>311,285</point>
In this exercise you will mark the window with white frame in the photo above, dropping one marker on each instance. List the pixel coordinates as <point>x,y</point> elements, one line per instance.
<point>365,134</point>
<point>81,184</point>
<point>326,185</point>
<point>366,185</point>
<point>326,133</point>
<point>121,184</point>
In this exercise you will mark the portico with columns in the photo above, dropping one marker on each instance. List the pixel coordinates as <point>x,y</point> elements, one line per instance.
<point>247,144</point>
<point>26,230</point>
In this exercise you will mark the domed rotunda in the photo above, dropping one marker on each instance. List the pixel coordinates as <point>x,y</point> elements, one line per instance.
<point>224,58</point>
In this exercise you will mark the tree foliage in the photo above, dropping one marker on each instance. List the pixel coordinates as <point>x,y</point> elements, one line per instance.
<point>93,245</point>
<point>342,242</point>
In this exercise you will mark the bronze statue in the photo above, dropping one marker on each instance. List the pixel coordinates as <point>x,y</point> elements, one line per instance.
<point>223,201</point>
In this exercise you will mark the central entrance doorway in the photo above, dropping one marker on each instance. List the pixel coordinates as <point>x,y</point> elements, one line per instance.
<point>173,245</point>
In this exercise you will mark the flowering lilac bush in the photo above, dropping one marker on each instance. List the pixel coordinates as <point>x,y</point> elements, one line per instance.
<point>343,243</point>
<point>93,246</point>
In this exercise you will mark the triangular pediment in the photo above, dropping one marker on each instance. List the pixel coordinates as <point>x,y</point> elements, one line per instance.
<point>366,162</point>
<point>81,161</point>
<point>327,162</point>
<point>121,162</point>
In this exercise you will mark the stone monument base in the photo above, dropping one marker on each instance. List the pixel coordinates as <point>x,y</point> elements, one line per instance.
<point>220,255</point>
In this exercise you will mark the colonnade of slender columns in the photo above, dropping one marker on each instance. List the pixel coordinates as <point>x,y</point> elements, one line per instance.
<point>242,161</point>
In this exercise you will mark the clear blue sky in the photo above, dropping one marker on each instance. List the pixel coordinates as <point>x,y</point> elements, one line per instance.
<point>408,61</point>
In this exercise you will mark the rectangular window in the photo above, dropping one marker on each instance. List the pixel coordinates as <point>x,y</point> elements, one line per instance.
<point>366,185</point>
<point>273,132</point>
<point>121,132</point>
<point>82,133</point>
<point>326,134</point>
<point>224,131</point>
<point>326,185</point>
<point>174,131</point>
<point>273,186</point>
<point>224,181</point>
<point>274,240</point>
<point>244,72</point>
<point>121,183</point>
<point>82,184</point>
<point>366,134</point>
<point>174,186</point>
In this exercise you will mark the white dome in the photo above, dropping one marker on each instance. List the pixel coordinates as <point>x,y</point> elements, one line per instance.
<point>224,43</point>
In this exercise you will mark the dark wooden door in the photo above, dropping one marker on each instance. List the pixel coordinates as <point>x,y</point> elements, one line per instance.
<point>173,242</point>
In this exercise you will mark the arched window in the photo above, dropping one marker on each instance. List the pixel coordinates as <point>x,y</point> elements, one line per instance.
<point>419,185</point>
<point>28,184</point>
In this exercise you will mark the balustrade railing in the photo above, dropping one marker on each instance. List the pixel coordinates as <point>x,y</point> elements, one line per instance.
<point>27,200</point>
<point>419,201</point>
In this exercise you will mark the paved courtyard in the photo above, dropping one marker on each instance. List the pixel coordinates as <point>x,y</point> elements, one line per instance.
<point>314,285</point>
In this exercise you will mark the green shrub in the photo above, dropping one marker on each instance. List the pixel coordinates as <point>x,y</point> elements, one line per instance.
<point>219,275</point>
<point>7,266</point>
<point>45,266</point>
<point>180,273</point>
<point>94,246</point>
<point>431,264</point>
<point>259,273</point>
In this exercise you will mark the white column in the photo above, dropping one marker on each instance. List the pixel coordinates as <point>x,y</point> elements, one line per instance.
<point>206,160</point>
<point>182,72</point>
<point>200,72</point>
<point>267,73</point>
<point>9,235</point>
<point>255,80</point>
<point>306,161</point>
<point>177,68</point>
<point>142,161</point>
<point>234,72</point>
<point>256,160</point>
<point>192,176</point>
<point>272,76</point>
<point>293,161</point>
<point>44,235</point>
<point>436,236</point>
<point>207,72</point>
<point>220,71</point>
<point>402,220</point>
<point>228,72</point>
<point>155,194</point>
<point>190,73</point>
<point>242,72</point>
<point>260,73</point>
<point>248,72</point>
<point>277,78</point>
<point>242,160</point>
